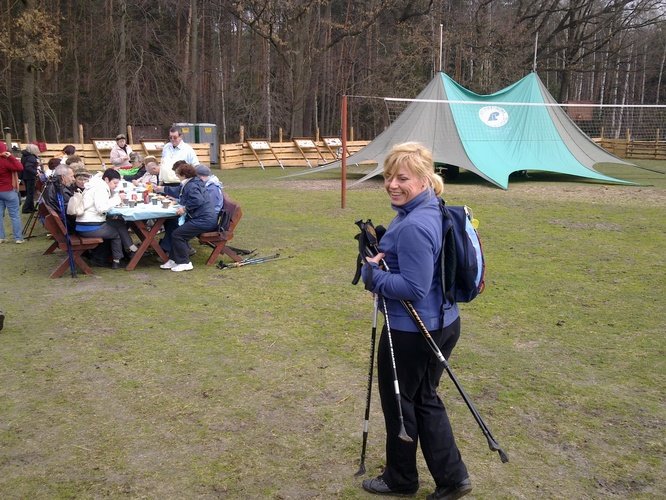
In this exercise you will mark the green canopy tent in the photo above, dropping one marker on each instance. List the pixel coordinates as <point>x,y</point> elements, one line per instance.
<point>490,135</point>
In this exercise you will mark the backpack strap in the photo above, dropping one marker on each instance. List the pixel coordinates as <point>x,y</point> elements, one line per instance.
<point>448,258</point>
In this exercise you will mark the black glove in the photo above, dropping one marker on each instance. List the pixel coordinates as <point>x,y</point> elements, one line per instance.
<point>368,244</point>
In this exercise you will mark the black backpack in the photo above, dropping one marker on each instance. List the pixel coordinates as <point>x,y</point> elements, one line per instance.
<point>463,266</point>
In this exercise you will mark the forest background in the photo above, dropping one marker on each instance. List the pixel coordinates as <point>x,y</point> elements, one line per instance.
<point>284,64</point>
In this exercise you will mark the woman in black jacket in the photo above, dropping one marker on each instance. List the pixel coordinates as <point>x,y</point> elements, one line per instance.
<point>30,161</point>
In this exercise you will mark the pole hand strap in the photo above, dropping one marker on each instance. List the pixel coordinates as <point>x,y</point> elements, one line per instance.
<point>368,241</point>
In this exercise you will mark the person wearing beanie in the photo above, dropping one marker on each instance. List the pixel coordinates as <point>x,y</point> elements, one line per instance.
<point>81,178</point>
<point>9,196</point>
<point>199,217</point>
<point>30,162</point>
<point>213,186</point>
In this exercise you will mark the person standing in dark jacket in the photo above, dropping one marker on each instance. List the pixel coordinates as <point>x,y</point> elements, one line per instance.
<point>30,161</point>
<point>199,212</point>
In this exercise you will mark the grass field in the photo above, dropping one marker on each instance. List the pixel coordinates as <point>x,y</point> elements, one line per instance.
<point>250,382</point>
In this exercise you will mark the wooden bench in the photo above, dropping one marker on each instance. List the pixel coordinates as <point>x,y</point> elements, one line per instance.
<point>55,226</point>
<point>219,239</point>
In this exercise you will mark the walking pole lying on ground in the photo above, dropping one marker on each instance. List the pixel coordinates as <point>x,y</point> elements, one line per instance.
<point>251,261</point>
<point>366,421</point>
<point>372,250</point>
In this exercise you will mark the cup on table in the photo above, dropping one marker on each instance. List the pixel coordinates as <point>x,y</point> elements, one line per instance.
<point>131,203</point>
<point>154,200</point>
<point>166,203</point>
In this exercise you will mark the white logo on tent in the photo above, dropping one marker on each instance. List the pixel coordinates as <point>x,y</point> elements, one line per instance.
<point>494,116</point>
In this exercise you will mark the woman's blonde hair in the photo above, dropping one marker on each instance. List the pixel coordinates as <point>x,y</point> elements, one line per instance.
<point>418,159</point>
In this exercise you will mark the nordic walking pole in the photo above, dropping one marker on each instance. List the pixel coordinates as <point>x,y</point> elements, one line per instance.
<point>396,386</point>
<point>492,444</point>
<point>366,421</point>
<point>70,253</point>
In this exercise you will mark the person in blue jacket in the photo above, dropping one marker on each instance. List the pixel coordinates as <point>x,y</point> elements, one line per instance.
<point>411,249</point>
<point>199,217</point>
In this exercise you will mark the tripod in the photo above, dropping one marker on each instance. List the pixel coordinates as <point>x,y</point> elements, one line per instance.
<point>30,224</point>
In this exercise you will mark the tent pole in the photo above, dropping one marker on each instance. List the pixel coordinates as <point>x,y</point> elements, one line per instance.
<point>536,43</point>
<point>343,174</point>
<point>441,44</point>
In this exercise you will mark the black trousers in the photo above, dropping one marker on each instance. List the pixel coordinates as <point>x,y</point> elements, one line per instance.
<point>423,411</point>
<point>29,203</point>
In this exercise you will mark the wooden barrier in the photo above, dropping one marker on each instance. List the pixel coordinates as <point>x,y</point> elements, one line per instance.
<point>239,155</point>
<point>634,150</point>
<point>93,161</point>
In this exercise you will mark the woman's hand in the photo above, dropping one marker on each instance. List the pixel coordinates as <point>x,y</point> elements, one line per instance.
<point>180,211</point>
<point>376,259</point>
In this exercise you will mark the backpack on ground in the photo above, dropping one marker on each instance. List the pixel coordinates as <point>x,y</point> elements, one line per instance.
<point>75,204</point>
<point>463,266</point>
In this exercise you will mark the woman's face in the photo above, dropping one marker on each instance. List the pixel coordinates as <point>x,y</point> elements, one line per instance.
<point>403,186</point>
<point>81,181</point>
<point>121,143</point>
<point>113,183</point>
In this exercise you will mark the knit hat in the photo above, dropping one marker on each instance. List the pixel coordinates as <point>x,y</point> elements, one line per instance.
<point>120,136</point>
<point>203,170</point>
<point>82,172</point>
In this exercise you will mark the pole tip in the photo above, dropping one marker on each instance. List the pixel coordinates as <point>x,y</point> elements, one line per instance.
<point>404,436</point>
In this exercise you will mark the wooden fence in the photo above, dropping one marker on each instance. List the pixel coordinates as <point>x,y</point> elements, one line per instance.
<point>95,159</point>
<point>231,155</point>
<point>287,154</point>
<point>240,155</point>
<point>638,150</point>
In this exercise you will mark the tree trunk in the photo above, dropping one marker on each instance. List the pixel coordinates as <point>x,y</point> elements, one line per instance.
<point>28,99</point>
<point>194,60</point>
<point>121,68</point>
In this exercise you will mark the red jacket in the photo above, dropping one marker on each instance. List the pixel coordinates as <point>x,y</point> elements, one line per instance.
<point>7,166</point>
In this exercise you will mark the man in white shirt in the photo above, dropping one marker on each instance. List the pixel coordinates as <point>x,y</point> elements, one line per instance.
<point>173,151</point>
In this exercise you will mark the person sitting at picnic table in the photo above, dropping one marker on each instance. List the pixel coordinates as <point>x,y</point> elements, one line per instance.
<point>151,172</point>
<point>137,163</point>
<point>213,186</point>
<point>81,178</point>
<point>60,184</point>
<point>120,153</point>
<point>67,151</point>
<point>98,198</point>
<point>200,217</point>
